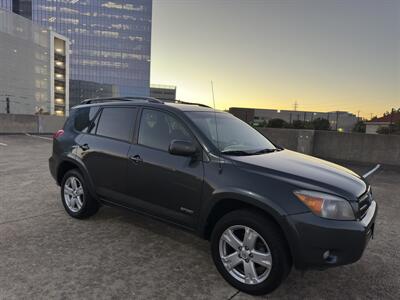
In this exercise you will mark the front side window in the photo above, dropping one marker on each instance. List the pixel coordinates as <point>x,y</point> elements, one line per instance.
<point>117,123</point>
<point>158,129</point>
<point>229,134</point>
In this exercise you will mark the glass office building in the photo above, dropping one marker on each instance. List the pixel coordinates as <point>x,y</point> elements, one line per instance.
<point>6,4</point>
<point>110,43</point>
<point>34,68</point>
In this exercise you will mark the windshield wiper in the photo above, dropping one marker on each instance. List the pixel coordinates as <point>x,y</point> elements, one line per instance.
<point>236,152</point>
<point>267,150</point>
<point>242,152</point>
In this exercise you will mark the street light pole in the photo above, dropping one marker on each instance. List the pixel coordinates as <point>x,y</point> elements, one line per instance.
<point>337,120</point>
<point>7,105</point>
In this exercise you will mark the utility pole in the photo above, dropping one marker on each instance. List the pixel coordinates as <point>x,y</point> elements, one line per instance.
<point>337,119</point>
<point>295,105</point>
<point>391,121</point>
<point>7,105</point>
<point>391,116</point>
<point>358,115</point>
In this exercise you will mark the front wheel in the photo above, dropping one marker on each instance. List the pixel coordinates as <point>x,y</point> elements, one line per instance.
<point>250,252</point>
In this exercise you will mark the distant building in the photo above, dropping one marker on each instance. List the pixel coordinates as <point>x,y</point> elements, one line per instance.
<point>34,68</point>
<point>6,4</point>
<point>340,120</point>
<point>245,114</point>
<point>110,42</point>
<point>163,92</point>
<point>372,126</point>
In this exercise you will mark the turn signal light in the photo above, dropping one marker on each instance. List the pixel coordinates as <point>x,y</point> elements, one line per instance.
<point>313,203</point>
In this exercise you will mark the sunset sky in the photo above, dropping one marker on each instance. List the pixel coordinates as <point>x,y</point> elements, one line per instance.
<point>326,55</point>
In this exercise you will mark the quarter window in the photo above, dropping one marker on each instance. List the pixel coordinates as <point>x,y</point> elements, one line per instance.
<point>117,123</point>
<point>158,129</point>
<point>84,118</point>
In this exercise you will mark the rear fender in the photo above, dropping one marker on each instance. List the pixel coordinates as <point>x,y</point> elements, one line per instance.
<point>75,160</point>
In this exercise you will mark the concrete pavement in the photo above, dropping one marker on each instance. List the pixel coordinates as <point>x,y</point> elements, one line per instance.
<point>117,254</point>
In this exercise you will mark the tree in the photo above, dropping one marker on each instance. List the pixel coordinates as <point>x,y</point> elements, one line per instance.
<point>298,124</point>
<point>383,130</point>
<point>277,123</point>
<point>321,124</point>
<point>359,127</point>
<point>397,127</point>
<point>264,123</point>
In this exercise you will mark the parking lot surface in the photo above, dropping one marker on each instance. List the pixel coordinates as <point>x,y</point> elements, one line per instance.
<point>46,254</point>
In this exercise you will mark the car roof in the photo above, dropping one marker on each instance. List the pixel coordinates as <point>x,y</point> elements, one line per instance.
<point>144,101</point>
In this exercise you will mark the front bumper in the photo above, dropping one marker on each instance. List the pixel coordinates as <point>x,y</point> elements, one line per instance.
<point>312,236</point>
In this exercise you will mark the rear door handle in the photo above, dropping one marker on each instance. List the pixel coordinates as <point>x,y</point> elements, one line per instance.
<point>136,159</point>
<point>84,147</point>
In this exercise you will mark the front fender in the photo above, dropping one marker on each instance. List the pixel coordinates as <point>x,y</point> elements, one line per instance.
<point>246,197</point>
<point>257,201</point>
<point>250,198</point>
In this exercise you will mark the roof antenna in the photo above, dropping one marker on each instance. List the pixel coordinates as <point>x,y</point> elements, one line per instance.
<point>216,126</point>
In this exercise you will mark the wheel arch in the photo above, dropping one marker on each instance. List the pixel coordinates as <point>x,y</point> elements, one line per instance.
<point>228,203</point>
<point>69,163</point>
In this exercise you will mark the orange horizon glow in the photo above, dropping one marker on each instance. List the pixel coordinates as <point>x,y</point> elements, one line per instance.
<point>326,56</point>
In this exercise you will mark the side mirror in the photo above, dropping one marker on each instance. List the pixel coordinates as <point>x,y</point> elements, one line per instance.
<point>183,148</point>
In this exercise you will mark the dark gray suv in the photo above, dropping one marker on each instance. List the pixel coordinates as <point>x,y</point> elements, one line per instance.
<point>264,208</point>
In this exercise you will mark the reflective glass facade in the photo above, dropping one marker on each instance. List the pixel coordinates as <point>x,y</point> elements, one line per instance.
<point>6,4</point>
<point>110,44</point>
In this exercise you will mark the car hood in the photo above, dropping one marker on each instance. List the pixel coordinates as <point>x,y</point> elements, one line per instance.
<point>306,172</point>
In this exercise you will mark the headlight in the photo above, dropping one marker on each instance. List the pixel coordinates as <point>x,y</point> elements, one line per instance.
<point>326,206</point>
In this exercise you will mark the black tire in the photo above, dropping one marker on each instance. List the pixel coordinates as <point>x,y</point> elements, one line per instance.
<point>90,205</point>
<point>281,260</point>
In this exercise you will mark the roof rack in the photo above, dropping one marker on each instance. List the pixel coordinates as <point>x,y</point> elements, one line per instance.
<point>191,103</point>
<point>138,98</point>
<point>133,98</point>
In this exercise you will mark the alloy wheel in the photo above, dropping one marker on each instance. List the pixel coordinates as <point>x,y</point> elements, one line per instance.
<point>73,194</point>
<point>245,254</point>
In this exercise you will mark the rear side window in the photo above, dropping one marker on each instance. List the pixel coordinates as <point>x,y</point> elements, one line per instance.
<point>117,122</point>
<point>84,118</point>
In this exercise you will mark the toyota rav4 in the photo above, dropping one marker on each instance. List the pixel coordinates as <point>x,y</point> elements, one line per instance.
<point>263,208</point>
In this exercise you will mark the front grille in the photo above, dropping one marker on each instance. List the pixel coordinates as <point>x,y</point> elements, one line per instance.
<point>364,202</point>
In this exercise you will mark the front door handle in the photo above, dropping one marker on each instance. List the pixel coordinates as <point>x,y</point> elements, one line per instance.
<point>84,147</point>
<point>136,159</point>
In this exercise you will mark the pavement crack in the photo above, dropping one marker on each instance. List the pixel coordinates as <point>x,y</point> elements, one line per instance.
<point>234,295</point>
<point>30,217</point>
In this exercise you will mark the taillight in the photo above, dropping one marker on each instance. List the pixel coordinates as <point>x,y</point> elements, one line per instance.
<point>58,134</point>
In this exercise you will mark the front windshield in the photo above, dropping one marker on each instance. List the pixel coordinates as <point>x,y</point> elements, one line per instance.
<point>234,136</point>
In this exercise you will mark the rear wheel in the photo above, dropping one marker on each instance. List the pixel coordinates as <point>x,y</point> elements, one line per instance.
<point>249,252</point>
<point>75,197</point>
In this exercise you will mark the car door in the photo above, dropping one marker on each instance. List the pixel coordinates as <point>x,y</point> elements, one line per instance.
<point>162,184</point>
<point>104,150</point>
